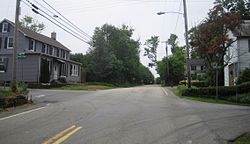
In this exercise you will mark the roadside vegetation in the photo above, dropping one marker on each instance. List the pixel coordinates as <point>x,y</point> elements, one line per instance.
<point>239,94</point>
<point>88,87</point>
<point>10,99</point>
<point>245,139</point>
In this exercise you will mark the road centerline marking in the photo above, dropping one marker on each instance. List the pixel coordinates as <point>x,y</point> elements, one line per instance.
<point>57,136</point>
<point>65,137</point>
<point>26,112</point>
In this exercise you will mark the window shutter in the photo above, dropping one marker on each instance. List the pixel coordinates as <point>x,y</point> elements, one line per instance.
<point>1,27</point>
<point>30,44</point>
<point>8,28</point>
<point>0,42</point>
<point>35,47</point>
<point>5,42</point>
<point>71,70</point>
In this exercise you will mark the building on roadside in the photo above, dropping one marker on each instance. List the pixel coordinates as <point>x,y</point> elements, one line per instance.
<point>238,55</point>
<point>41,59</point>
<point>197,68</point>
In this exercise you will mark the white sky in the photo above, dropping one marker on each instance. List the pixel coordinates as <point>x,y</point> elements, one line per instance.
<point>139,14</point>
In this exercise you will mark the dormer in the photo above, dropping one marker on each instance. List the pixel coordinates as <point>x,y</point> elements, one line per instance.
<point>5,26</point>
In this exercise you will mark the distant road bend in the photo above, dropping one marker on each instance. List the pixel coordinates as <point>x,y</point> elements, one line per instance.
<point>139,115</point>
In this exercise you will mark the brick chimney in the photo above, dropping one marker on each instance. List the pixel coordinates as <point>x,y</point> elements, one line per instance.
<point>53,35</point>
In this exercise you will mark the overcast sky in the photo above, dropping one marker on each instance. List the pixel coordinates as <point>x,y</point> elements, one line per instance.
<point>139,14</point>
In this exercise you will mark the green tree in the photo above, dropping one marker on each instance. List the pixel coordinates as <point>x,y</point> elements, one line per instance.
<point>114,56</point>
<point>241,7</point>
<point>151,50</point>
<point>171,69</point>
<point>30,23</point>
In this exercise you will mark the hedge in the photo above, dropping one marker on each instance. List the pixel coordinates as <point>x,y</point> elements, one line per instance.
<point>223,92</point>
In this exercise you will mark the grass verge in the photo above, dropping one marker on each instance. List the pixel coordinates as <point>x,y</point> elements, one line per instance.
<point>86,87</point>
<point>243,140</point>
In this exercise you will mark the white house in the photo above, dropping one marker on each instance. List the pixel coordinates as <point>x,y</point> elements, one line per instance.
<point>238,55</point>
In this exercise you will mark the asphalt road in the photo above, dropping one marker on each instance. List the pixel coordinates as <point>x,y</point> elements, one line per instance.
<point>140,115</point>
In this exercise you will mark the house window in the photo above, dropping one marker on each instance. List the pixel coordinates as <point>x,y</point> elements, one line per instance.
<point>236,70</point>
<point>193,67</point>
<point>5,27</point>
<point>57,52</point>
<point>74,70</point>
<point>50,50</point>
<point>3,64</point>
<point>44,48</point>
<point>32,45</point>
<point>10,42</point>
<point>202,68</point>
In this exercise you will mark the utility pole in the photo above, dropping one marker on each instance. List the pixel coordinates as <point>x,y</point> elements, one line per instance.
<point>187,44</point>
<point>167,58</point>
<point>14,81</point>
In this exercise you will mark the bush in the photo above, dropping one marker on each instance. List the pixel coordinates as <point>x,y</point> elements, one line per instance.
<point>195,83</point>
<point>23,89</point>
<point>244,76</point>
<point>223,92</point>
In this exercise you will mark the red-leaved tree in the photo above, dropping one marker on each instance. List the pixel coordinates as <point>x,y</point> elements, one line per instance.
<point>211,40</point>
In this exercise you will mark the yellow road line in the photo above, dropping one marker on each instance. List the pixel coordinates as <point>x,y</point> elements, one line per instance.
<point>58,135</point>
<point>62,139</point>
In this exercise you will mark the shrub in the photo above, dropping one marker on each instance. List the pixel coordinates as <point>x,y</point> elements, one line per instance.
<point>244,76</point>
<point>223,92</point>
<point>23,89</point>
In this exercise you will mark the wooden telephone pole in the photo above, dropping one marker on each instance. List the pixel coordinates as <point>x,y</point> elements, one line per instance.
<point>14,81</point>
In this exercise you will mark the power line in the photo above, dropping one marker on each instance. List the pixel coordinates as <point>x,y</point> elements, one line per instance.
<point>84,33</point>
<point>178,17</point>
<point>35,11</point>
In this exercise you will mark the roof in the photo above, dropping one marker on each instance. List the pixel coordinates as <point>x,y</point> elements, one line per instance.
<point>197,62</point>
<point>243,30</point>
<point>39,37</point>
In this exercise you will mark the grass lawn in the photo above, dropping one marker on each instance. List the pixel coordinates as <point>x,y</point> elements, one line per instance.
<point>86,87</point>
<point>243,140</point>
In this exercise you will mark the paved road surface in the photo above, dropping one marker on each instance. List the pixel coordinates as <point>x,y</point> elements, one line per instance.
<point>140,115</point>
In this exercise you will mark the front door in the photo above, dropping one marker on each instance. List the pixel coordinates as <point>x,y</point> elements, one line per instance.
<point>56,70</point>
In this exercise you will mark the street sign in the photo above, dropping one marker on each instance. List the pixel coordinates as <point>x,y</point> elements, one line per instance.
<point>21,55</point>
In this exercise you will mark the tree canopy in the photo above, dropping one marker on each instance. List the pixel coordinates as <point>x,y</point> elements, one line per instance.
<point>211,41</point>
<point>151,50</point>
<point>171,69</point>
<point>30,23</point>
<point>114,57</point>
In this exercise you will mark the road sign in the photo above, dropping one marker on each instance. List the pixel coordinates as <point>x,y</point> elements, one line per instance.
<point>21,55</point>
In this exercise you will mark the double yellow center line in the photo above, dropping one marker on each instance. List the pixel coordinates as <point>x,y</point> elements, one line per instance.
<point>63,135</point>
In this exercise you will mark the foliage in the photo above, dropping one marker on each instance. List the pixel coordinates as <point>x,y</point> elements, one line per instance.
<point>222,91</point>
<point>30,23</point>
<point>241,7</point>
<point>114,57</point>
<point>244,76</point>
<point>23,89</point>
<point>211,41</point>
<point>151,50</point>
<point>245,139</point>
<point>171,69</point>
<point>5,93</point>
<point>172,41</point>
